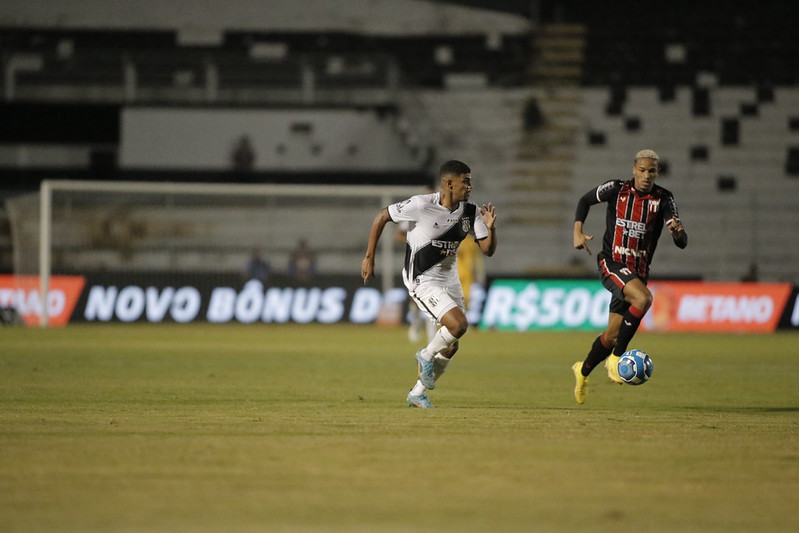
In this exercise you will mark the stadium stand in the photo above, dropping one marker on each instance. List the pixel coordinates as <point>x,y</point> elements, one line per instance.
<point>542,113</point>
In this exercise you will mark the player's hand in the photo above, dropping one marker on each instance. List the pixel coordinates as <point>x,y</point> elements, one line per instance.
<point>488,214</point>
<point>581,241</point>
<point>367,269</point>
<point>675,226</point>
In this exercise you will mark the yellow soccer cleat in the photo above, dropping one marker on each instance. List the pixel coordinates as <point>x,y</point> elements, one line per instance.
<point>611,365</point>
<point>582,382</point>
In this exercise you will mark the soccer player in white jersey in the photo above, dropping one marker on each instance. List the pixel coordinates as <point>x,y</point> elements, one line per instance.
<point>442,220</point>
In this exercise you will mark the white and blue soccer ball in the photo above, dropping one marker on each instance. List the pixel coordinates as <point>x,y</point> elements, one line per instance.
<point>635,367</point>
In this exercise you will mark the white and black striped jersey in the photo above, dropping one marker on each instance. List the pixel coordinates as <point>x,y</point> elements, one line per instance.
<point>432,245</point>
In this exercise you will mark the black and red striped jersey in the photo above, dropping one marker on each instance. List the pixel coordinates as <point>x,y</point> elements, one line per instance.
<point>634,221</point>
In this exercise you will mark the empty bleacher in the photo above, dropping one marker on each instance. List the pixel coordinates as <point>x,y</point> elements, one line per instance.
<point>737,200</point>
<point>709,90</point>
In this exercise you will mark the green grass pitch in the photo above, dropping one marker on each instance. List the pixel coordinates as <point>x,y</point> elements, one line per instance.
<point>289,428</point>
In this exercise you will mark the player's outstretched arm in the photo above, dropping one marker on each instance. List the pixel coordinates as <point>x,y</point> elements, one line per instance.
<point>584,204</point>
<point>368,263</point>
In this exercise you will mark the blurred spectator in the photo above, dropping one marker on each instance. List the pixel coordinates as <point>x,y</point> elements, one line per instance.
<point>243,155</point>
<point>751,274</point>
<point>533,118</point>
<point>257,267</point>
<point>302,263</point>
<point>471,268</point>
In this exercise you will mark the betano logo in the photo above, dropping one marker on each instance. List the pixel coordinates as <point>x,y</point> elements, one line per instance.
<point>23,293</point>
<point>699,306</point>
<point>726,308</point>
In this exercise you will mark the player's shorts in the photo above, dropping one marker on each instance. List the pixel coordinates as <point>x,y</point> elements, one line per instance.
<point>614,276</point>
<point>435,300</point>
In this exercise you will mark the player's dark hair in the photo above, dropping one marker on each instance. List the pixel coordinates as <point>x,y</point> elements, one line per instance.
<point>454,168</point>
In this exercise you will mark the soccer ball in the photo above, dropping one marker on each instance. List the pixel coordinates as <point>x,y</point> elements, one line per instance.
<point>635,367</point>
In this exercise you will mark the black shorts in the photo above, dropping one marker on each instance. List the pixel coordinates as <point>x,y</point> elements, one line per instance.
<point>614,276</point>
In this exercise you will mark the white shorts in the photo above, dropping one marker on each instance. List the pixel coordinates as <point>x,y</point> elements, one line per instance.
<point>435,300</point>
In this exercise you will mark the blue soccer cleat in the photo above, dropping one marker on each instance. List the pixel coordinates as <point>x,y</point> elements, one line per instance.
<point>421,401</point>
<point>425,369</point>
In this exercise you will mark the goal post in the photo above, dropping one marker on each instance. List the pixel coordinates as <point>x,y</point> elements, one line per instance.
<point>138,226</point>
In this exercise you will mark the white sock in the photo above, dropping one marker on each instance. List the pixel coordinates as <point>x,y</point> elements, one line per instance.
<point>431,329</point>
<point>442,340</point>
<point>441,363</point>
<point>418,389</point>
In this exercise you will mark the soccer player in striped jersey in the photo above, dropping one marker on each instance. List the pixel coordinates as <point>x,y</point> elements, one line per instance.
<point>441,221</point>
<point>637,210</point>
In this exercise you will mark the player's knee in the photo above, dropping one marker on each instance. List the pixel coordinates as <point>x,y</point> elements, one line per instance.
<point>459,328</point>
<point>450,352</point>
<point>456,323</point>
<point>645,300</point>
<point>641,298</point>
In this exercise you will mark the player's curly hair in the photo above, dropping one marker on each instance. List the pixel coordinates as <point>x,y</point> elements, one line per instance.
<point>454,168</point>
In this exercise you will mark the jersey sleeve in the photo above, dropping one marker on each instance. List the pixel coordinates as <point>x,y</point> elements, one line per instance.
<point>405,210</point>
<point>670,211</point>
<point>607,190</point>
<point>480,228</point>
<point>601,193</point>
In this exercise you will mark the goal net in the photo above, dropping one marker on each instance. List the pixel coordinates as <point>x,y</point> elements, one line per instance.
<point>142,228</point>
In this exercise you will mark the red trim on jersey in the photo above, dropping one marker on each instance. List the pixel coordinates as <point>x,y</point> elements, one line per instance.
<point>618,234</point>
<point>639,215</point>
<point>613,277</point>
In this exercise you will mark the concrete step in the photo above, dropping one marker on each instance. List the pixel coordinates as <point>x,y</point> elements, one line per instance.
<point>563,30</point>
<point>555,70</point>
<point>560,55</point>
<point>558,42</point>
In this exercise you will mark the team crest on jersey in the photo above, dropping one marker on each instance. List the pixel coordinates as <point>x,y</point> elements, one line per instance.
<point>465,225</point>
<point>653,205</point>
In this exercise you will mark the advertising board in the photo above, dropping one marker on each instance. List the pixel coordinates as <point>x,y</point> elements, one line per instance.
<point>507,305</point>
<point>525,305</point>
<point>23,294</point>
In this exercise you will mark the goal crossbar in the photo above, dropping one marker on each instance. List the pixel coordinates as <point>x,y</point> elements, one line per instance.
<point>383,195</point>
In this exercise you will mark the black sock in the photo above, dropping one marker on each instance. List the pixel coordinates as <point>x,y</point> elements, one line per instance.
<point>629,325</point>
<point>599,352</point>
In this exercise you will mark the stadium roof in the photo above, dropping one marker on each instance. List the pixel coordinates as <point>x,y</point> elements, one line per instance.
<point>383,17</point>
